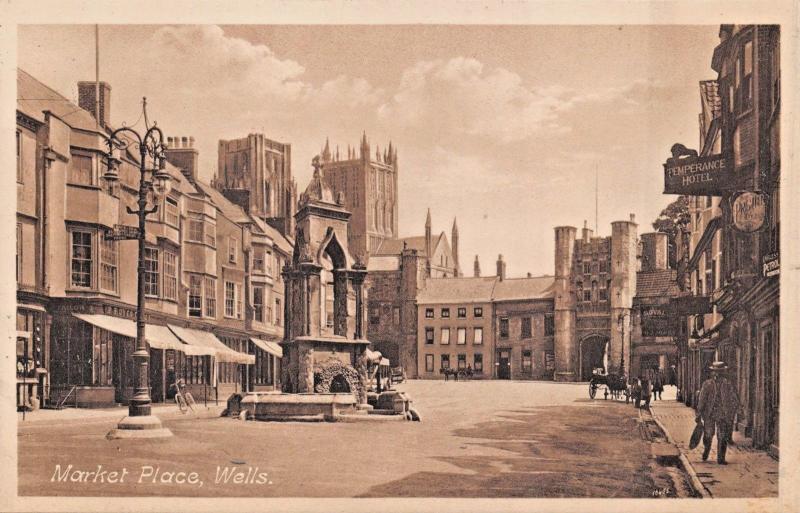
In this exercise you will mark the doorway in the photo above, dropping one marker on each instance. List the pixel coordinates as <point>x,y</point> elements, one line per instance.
<point>504,364</point>
<point>593,356</point>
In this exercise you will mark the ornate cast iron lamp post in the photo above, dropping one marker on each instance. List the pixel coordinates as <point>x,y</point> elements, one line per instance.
<point>154,184</point>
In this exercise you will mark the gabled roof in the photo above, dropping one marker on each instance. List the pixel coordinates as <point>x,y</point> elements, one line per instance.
<point>457,290</point>
<point>510,289</point>
<point>283,243</point>
<point>33,98</point>
<point>395,246</point>
<point>229,209</point>
<point>658,283</point>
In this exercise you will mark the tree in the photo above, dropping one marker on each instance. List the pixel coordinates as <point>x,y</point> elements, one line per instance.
<point>671,221</point>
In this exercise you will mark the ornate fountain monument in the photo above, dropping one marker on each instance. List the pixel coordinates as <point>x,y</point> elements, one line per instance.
<point>326,356</point>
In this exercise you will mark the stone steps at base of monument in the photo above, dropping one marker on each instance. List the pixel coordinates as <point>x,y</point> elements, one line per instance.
<point>292,418</point>
<point>377,411</point>
<point>370,418</point>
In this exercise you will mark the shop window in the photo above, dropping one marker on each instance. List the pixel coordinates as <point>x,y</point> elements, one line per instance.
<point>461,336</point>
<point>429,336</point>
<point>477,336</point>
<point>526,327</point>
<point>102,357</point>
<point>503,327</point>
<point>428,363</point>
<point>445,339</point>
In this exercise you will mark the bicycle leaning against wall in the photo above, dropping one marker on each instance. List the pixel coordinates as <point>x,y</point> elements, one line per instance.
<point>183,399</point>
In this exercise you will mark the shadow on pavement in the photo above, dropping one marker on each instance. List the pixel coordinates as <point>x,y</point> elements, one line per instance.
<point>551,452</point>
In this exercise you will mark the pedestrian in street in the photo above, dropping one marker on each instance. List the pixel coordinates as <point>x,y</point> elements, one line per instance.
<point>716,408</point>
<point>636,392</point>
<point>646,391</point>
<point>658,387</point>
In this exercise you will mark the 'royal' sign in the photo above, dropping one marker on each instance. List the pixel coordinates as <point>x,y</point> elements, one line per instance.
<point>696,176</point>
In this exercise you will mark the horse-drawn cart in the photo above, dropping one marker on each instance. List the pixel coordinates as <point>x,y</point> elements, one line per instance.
<point>612,385</point>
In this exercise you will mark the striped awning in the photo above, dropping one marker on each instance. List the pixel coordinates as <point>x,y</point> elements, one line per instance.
<point>208,340</point>
<point>270,347</point>
<point>159,337</point>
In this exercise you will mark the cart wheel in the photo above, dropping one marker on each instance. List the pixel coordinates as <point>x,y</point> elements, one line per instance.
<point>592,391</point>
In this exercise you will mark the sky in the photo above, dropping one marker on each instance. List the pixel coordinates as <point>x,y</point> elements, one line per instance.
<point>503,127</point>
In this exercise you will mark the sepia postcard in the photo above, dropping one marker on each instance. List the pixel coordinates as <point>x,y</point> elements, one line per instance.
<point>360,256</point>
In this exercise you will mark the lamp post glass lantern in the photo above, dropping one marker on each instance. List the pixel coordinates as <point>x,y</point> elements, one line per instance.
<point>154,183</point>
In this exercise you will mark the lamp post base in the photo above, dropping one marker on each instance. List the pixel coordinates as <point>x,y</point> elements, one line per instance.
<point>147,426</point>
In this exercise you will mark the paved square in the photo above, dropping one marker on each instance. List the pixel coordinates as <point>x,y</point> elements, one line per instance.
<point>476,439</point>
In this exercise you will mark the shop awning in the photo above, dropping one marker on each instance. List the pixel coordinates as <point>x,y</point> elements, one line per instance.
<point>159,337</point>
<point>30,306</point>
<point>272,348</point>
<point>208,340</point>
<point>373,356</point>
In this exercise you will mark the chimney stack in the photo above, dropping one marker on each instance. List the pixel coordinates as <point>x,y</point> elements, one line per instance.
<point>501,268</point>
<point>182,154</point>
<point>476,268</point>
<point>86,100</point>
<point>654,251</point>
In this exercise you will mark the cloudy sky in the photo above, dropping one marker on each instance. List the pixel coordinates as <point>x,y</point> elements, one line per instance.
<point>501,126</point>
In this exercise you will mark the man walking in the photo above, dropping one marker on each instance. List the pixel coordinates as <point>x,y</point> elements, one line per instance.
<point>717,407</point>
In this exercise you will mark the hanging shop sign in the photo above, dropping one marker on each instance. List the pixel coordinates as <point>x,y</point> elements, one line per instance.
<point>691,305</point>
<point>771,265</point>
<point>658,321</point>
<point>686,173</point>
<point>748,212</point>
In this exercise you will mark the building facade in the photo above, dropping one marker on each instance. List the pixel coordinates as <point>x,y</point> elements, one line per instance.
<point>735,262</point>
<point>77,283</point>
<point>455,319</point>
